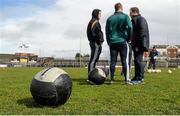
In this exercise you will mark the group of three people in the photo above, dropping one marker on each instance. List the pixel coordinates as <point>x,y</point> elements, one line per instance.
<point>122,35</point>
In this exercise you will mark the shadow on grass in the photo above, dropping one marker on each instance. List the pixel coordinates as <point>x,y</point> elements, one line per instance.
<point>80,81</point>
<point>116,82</point>
<point>29,103</point>
<point>83,81</point>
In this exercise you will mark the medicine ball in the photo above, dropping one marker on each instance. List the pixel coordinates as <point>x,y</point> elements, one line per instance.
<point>51,86</point>
<point>97,76</point>
<point>106,70</point>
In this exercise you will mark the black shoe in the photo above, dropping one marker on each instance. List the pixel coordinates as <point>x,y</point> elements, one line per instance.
<point>128,83</point>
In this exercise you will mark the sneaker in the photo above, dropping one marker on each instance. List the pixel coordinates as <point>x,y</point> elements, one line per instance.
<point>142,80</point>
<point>128,83</point>
<point>137,82</point>
<point>90,82</point>
<point>111,82</point>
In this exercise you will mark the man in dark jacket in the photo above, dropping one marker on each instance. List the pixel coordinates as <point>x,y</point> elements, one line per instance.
<point>153,55</point>
<point>140,43</point>
<point>118,34</point>
<point>95,37</point>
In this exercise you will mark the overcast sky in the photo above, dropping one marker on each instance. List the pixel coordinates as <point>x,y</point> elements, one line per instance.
<point>58,27</point>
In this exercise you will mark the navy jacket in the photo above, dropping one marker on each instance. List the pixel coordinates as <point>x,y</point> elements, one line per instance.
<point>153,54</point>
<point>140,37</point>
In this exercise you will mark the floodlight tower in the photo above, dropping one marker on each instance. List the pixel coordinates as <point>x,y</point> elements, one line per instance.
<point>23,46</point>
<point>80,62</point>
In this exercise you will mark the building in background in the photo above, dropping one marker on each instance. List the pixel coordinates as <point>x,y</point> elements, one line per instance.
<point>6,58</point>
<point>168,56</point>
<point>26,57</point>
<point>172,51</point>
<point>165,51</point>
<point>46,61</point>
<point>18,59</point>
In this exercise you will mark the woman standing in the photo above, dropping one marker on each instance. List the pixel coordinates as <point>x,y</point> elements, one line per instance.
<point>95,37</point>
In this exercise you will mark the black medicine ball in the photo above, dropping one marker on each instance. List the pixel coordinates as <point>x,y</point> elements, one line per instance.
<point>97,76</point>
<point>51,86</point>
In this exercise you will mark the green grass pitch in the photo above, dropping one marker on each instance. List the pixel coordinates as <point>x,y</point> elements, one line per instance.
<point>159,95</point>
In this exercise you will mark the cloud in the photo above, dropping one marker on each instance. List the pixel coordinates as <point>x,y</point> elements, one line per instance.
<point>17,31</point>
<point>61,26</point>
<point>75,32</point>
<point>9,32</point>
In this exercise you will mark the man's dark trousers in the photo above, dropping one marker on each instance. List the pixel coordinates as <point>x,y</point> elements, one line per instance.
<point>139,64</point>
<point>123,50</point>
<point>152,62</point>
